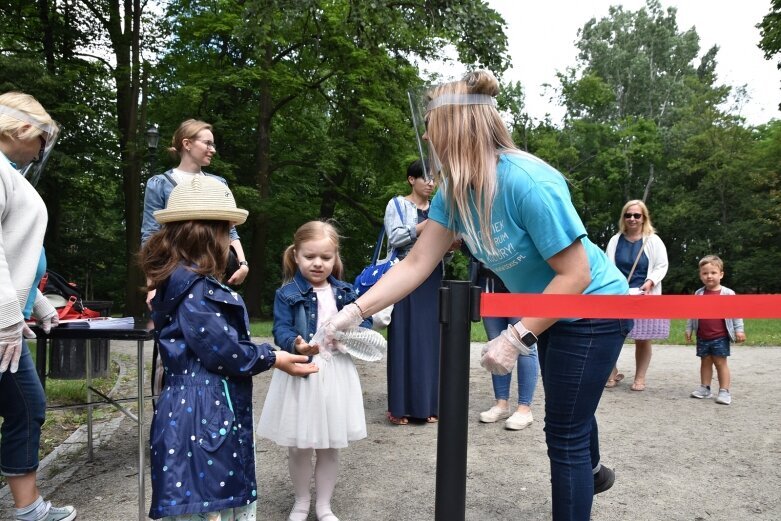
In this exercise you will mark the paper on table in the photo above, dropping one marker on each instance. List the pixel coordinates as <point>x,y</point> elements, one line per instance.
<point>98,323</point>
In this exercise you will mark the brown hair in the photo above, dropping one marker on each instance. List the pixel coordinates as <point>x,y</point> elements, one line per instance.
<point>467,140</point>
<point>189,129</point>
<point>712,259</point>
<point>310,231</point>
<point>648,228</point>
<point>202,246</point>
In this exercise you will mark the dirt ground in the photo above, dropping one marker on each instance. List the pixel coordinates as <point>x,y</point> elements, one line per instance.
<point>676,458</point>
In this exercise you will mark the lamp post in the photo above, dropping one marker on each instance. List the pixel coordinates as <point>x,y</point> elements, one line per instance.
<point>152,140</point>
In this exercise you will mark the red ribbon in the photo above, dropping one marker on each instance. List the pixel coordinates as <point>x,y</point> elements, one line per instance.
<point>629,306</point>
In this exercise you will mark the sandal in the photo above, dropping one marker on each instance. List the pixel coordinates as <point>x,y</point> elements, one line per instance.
<point>432,419</point>
<point>612,382</point>
<point>638,386</point>
<point>396,421</point>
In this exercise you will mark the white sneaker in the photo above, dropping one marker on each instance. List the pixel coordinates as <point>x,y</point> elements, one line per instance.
<point>518,421</point>
<point>494,414</point>
<point>724,397</point>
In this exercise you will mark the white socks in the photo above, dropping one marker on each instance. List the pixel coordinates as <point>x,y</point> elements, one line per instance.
<point>326,472</point>
<point>299,462</point>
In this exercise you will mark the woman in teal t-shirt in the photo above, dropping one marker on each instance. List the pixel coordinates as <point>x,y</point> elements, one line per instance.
<point>515,214</point>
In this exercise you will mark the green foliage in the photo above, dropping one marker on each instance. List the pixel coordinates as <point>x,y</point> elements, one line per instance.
<point>309,104</point>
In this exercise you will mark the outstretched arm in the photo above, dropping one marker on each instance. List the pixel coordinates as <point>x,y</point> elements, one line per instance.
<point>410,273</point>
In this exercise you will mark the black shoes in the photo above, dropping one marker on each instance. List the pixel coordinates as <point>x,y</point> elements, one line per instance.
<point>603,479</point>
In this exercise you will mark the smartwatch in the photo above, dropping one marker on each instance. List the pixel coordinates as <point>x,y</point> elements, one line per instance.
<point>526,337</point>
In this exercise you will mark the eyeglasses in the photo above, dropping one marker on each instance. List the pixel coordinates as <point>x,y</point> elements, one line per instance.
<point>209,144</point>
<point>633,215</point>
<point>42,150</point>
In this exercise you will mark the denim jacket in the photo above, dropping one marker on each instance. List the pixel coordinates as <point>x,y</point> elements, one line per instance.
<point>295,309</point>
<point>158,188</point>
<point>401,229</point>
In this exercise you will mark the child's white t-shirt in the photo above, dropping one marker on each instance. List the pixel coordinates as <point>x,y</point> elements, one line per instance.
<point>326,304</point>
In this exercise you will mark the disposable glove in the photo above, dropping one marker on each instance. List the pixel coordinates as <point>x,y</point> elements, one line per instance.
<point>47,323</point>
<point>326,336</point>
<point>11,346</point>
<point>501,353</point>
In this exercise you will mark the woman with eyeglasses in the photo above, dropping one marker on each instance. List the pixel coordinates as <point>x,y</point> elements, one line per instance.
<point>27,135</point>
<point>642,258</point>
<point>193,144</point>
<point>515,214</point>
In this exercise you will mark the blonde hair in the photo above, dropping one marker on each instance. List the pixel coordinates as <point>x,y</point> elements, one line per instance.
<point>310,231</point>
<point>10,127</point>
<point>189,129</point>
<point>712,259</point>
<point>467,139</point>
<point>648,228</point>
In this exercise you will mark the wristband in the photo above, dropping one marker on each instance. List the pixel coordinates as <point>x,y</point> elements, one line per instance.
<point>360,311</point>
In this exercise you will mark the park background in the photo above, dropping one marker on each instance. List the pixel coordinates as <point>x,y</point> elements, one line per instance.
<point>310,107</point>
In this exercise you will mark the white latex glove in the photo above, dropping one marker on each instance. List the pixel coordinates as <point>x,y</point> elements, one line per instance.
<point>11,346</point>
<point>348,318</point>
<point>47,323</point>
<point>501,353</point>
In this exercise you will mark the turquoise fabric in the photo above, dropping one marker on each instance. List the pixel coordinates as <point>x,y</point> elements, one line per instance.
<point>532,220</point>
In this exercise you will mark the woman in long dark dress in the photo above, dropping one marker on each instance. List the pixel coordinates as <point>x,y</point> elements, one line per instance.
<point>413,334</point>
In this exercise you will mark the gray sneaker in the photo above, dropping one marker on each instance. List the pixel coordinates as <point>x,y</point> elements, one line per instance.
<point>724,397</point>
<point>67,513</point>
<point>702,392</point>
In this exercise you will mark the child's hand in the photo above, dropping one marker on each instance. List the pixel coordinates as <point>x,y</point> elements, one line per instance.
<point>294,365</point>
<point>688,338</point>
<point>740,336</point>
<point>305,349</point>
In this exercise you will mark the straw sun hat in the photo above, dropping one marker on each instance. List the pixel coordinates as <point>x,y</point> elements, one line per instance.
<point>204,199</point>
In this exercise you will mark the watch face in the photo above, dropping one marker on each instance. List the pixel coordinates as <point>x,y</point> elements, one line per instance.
<point>529,339</point>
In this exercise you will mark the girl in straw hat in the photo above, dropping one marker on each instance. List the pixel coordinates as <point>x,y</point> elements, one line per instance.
<point>202,444</point>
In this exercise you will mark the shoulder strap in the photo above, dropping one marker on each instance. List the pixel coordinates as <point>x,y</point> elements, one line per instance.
<point>381,237</point>
<point>398,209</point>
<point>170,178</point>
<point>637,259</point>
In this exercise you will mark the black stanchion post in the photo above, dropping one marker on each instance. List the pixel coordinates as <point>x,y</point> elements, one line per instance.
<point>458,306</point>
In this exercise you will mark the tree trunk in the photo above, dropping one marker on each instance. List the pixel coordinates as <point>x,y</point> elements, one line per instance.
<point>48,34</point>
<point>650,182</point>
<point>258,249</point>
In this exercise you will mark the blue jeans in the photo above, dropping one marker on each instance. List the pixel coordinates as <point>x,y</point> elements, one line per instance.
<point>527,366</point>
<point>576,359</point>
<point>23,408</point>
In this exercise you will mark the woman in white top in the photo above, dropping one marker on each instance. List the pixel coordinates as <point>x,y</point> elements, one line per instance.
<point>27,135</point>
<point>641,256</point>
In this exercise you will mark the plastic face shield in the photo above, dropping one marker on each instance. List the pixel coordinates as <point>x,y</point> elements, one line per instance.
<point>420,113</point>
<point>32,171</point>
<point>419,126</point>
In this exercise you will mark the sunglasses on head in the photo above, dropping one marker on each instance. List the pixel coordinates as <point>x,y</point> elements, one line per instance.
<point>633,215</point>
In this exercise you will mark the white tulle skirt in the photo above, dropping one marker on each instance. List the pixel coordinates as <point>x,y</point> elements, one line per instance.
<point>321,411</point>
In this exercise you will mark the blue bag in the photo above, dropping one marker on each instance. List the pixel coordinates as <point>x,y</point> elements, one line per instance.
<point>372,273</point>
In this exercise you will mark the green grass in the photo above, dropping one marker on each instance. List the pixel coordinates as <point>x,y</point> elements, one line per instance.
<point>764,332</point>
<point>67,392</point>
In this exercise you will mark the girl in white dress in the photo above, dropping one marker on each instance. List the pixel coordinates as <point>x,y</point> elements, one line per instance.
<point>322,413</point>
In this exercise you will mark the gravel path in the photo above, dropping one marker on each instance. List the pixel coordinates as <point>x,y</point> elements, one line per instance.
<point>676,458</point>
